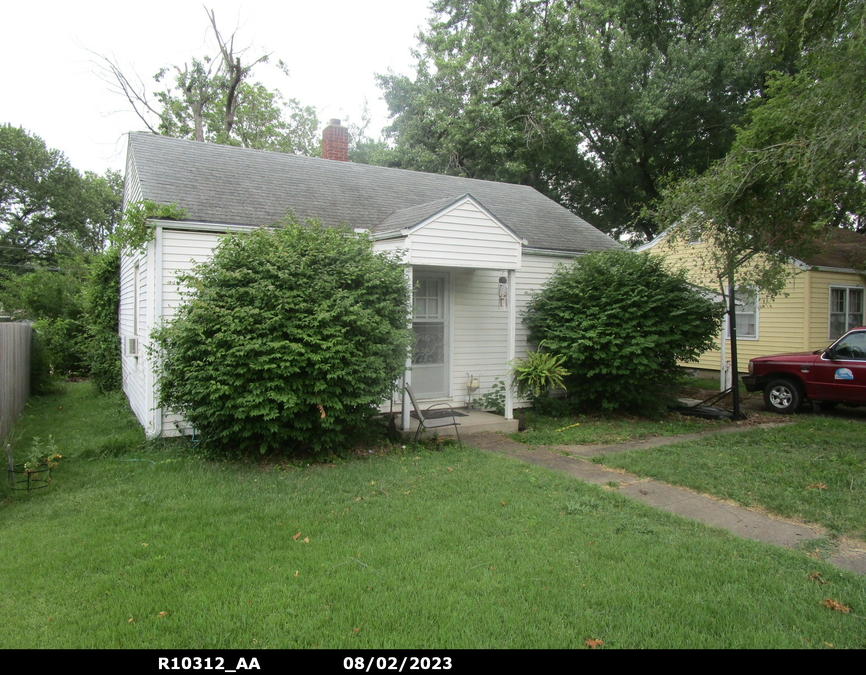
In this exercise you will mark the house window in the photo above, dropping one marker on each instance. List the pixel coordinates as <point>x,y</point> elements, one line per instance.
<point>747,313</point>
<point>846,310</point>
<point>428,321</point>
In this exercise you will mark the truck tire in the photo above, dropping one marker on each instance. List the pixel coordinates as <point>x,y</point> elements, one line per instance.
<point>783,396</point>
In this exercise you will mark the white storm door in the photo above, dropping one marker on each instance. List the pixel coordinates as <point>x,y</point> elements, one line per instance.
<point>430,355</point>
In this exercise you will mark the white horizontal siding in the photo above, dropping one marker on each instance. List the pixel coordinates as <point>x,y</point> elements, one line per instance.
<point>480,331</point>
<point>135,370</point>
<point>464,236</point>
<point>531,277</point>
<point>392,246</point>
<point>181,252</point>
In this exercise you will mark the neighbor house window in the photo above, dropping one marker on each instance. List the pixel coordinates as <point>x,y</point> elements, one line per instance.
<point>846,310</point>
<point>747,313</point>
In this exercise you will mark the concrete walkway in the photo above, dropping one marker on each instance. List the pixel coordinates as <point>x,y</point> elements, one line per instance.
<point>682,501</point>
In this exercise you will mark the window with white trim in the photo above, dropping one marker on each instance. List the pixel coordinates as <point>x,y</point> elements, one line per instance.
<point>428,321</point>
<point>747,313</point>
<point>846,309</point>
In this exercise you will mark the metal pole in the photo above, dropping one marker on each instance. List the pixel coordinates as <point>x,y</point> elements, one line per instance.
<point>735,378</point>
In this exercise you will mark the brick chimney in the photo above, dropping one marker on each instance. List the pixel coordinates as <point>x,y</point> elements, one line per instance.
<point>335,142</point>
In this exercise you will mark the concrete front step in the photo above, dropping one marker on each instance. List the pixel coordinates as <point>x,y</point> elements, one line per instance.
<point>474,422</point>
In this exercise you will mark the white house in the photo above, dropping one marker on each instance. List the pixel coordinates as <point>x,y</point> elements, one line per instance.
<point>475,249</point>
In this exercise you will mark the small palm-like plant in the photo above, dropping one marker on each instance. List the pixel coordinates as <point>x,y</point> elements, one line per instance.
<point>538,373</point>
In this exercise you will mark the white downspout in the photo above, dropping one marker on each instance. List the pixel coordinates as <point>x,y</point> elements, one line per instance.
<point>512,338</point>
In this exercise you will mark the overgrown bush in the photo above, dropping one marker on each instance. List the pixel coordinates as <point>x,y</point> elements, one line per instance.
<point>286,341</point>
<point>53,299</point>
<point>623,322</point>
<point>494,399</point>
<point>102,299</point>
<point>555,406</point>
<point>41,379</point>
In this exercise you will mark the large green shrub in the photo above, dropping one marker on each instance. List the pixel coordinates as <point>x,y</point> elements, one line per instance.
<point>51,297</point>
<point>286,341</point>
<point>622,321</point>
<point>102,299</point>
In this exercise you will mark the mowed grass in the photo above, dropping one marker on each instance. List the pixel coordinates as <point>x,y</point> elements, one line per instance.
<point>604,429</point>
<point>80,423</point>
<point>155,548</point>
<point>813,469</point>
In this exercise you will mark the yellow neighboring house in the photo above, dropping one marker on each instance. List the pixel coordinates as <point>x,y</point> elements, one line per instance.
<point>823,299</point>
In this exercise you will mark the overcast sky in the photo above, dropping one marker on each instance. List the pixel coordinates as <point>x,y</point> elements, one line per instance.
<point>333,50</point>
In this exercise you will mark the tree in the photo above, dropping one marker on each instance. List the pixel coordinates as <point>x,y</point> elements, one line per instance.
<point>592,103</point>
<point>798,164</point>
<point>622,322</point>
<point>53,299</point>
<point>101,301</point>
<point>212,99</point>
<point>46,206</point>
<point>287,340</point>
<point>362,148</point>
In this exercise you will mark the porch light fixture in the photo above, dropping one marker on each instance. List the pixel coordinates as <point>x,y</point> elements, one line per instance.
<point>503,291</point>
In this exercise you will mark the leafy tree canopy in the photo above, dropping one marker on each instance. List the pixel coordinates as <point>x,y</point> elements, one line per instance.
<point>214,99</point>
<point>798,164</point>
<point>593,103</point>
<point>47,206</point>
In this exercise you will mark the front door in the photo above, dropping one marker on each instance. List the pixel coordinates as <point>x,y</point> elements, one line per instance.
<point>430,323</point>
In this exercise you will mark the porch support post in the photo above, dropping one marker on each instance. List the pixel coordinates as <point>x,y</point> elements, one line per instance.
<point>405,419</point>
<point>512,337</point>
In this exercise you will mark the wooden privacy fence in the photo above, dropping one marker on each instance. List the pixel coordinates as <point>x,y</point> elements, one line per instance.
<point>14,373</point>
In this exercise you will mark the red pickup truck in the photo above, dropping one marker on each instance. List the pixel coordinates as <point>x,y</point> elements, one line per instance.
<point>826,377</point>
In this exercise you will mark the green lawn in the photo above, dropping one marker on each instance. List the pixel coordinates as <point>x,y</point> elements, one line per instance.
<point>709,384</point>
<point>604,429</point>
<point>813,469</point>
<point>148,546</point>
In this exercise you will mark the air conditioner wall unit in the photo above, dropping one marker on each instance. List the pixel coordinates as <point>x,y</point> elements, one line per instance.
<point>130,346</point>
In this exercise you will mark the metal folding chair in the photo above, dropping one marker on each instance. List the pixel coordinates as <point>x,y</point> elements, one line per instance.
<point>434,417</point>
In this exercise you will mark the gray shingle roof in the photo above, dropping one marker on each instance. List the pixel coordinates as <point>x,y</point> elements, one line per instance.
<point>414,214</point>
<point>237,186</point>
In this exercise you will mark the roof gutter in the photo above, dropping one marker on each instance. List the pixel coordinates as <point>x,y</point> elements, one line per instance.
<point>553,252</point>
<point>198,226</point>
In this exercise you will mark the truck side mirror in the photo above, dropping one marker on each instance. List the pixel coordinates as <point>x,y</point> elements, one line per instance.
<point>831,353</point>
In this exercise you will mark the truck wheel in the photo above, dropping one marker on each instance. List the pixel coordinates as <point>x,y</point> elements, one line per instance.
<point>783,396</point>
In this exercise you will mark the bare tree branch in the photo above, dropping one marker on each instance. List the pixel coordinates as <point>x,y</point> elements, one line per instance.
<point>234,70</point>
<point>109,71</point>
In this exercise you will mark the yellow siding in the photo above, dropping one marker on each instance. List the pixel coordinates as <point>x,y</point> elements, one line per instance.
<point>782,324</point>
